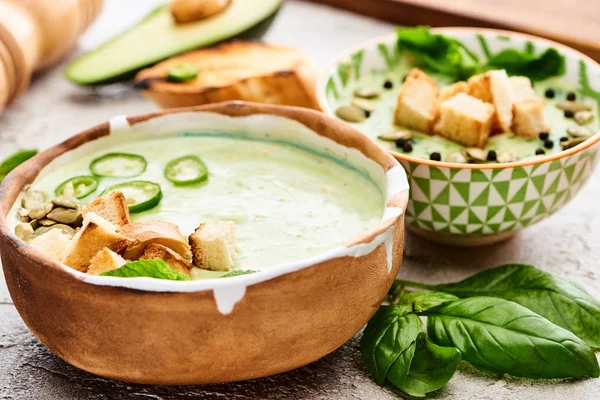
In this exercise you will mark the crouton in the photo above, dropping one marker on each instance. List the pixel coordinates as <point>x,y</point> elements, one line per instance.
<point>112,207</point>
<point>494,87</point>
<point>95,234</point>
<point>521,88</point>
<point>173,259</point>
<point>54,243</point>
<point>450,91</point>
<point>105,260</point>
<point>143,234</point>
<point>465,120</point>
<point>529,118</point>
<point>214,246</point>
<point>417,105</point>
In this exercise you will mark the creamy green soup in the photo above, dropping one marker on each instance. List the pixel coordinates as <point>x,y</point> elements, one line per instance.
<point>288,202</point>
<point>381,119</point>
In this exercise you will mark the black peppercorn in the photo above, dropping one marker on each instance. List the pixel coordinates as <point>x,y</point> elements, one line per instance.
<point>550,93</point>
<point>367,113</point>
<point>548,144</point>
<point>388,84</point>
<point>539,152</point>
<point>571,96</point>
<point>543,135</point>
<point>569,114</point>
<point>435,156</point>
<point>400,142</point>
<point>407,147</point>
<point>564,139</point>
<point>491,155</point>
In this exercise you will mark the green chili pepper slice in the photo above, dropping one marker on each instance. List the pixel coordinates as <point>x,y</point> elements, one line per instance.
<point>16,159</point>
<point>82,186</point>
<point>118,165</point>
<point>140,195</point>
<point>182,72</point>
<point>186,170</point>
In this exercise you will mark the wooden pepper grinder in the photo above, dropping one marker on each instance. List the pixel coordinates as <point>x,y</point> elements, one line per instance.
<point>35,34</point>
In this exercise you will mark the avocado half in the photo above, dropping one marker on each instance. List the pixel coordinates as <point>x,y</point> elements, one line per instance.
<point>157,37</point>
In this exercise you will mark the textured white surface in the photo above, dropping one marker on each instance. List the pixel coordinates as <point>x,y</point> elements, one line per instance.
<point>53,110</point>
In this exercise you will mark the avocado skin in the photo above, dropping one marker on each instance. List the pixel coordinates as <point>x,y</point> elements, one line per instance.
<point>255,32</point>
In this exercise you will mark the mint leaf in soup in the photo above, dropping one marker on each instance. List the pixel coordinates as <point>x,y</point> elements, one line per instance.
<point>155,268</point>
<point>536,67</point>
<point>238,272</point>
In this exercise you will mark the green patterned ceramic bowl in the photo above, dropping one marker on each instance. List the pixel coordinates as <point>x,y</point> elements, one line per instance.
<point>470,204</point>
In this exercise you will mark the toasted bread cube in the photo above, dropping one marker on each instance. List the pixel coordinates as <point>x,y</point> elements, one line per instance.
<point>494,87</point>
<point>214,246</point>
<point>452,90</point>
<point>465,120</point>
<point>529,118</point>
<point>95,234</point>
<point>112,207</point>
<point>54,243</point>
<point>172,259</point>
<point>105,260</point>
<point>521,88</point>
<point>417,105</point>
<point>143,234</point>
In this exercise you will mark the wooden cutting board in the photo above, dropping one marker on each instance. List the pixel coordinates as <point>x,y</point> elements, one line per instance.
<point>577,24</point>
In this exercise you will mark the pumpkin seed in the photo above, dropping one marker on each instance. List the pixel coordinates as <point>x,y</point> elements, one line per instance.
<point>65,215</point>
<point>35,223</point>
<point>573,106</point>
<point>583,117</point>
<point>572,142</point>
<point>24,231</point>
<point>366,93</point>
<point>580,131</point>
<point>457,158</point>
<point>46,222</point>
<point>351,114</point>
<point>507,156</point>
<point>40,211</point>
<point>392,137</point>
<point>64,228</point>
<point>23,215</point>
<point>363,105</point>
<point>475,154</point>
<point>32,199</point>
<point>66,202</point>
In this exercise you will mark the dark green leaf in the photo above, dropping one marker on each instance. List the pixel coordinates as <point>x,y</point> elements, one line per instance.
<point>421,301</point>
<point>536,67</point>
<point>156,268</point>
<point>500,336</point>
<point>388,335</point>
<point>431,368</point>
<point>238,272</point>
<point>562,302</point>
<point>14,160</point>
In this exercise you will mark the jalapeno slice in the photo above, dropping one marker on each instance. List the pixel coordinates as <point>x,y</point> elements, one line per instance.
<point>140,195</point>
<point>182,72</point>
<point>118,165</point>
<point>16,159</point>
<point>186,170</point>
<point>82,186</point>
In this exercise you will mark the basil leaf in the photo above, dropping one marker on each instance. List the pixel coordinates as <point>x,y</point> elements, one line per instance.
<point>238,272</point>
<point>421,301</point>
<point>562,302</point>
<point>500,336</point>
<point>16,159</point>
<point>431,368</point>
<point>155,268</point>
<point>388,335</point>
<point>536,67</point>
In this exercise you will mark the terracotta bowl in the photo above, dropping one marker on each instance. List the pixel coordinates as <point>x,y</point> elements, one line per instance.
<point>219,330</point>
<point>470,204</point>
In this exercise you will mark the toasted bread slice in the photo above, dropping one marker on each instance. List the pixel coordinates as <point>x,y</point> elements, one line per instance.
<point>466,120</point>
<point>240,70</point>
<point>54,243</point>
<point>105,260</point>
<point>112,207</point>
<point>173,259</point>
<point>521,88</point>
<point>451,90</point>
<point>214,246</point>
<point>143,234</point>
<point>194,10</point>
<point>95,234</point>
<point>529,118</point>
<point>494,87</point>
<point>417,105</point>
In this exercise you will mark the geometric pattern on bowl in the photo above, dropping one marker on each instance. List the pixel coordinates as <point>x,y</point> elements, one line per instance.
<point>483,202</point>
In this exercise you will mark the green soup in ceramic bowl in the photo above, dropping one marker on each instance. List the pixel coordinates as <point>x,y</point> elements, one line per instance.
<point>471,204</point>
